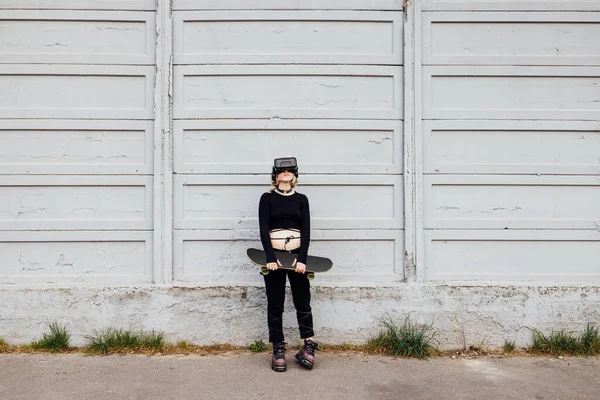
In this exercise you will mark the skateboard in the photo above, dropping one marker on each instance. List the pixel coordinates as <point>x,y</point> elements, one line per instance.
<point>313,263</point>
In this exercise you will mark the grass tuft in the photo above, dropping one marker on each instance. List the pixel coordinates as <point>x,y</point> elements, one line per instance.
<point>183,345</point>
<point>111,340</point>
<point>590,340</point>
<point>409,340</point>
<point>4,347</point>
<point>561,342</point>
<point>258,346</point>
<point>567,343</point>
<point>509,346</point>
<point>56,340</point>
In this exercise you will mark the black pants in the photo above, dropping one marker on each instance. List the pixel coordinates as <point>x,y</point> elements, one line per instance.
<point>275,288</point>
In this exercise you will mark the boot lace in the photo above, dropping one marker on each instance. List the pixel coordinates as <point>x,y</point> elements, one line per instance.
<point>279,350</point>
<point>310,347</point>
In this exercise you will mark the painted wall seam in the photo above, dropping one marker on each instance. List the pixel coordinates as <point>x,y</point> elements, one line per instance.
<point>409,254</point>
<point>163,170</point>
<point>418,143</point>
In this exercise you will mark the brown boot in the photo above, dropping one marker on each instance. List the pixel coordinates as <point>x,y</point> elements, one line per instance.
<point>278,360</point>
<point>306,355</point>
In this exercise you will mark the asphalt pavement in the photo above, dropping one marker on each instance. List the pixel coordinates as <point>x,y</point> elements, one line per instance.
<point>336,376</point>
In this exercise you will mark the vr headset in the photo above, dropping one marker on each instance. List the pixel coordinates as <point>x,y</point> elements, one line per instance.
<point>284,164</point>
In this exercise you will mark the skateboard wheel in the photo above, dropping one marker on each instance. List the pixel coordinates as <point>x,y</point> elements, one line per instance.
<point>264,271</point>
<point>310,276</point>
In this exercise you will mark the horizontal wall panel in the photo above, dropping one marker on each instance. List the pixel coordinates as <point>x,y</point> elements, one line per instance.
<point>336,202</point>
<point>287,4</point>
<point>97,37</point>
<point>76,257</point>
<point>72,91</point>
<point>511,147</point>
<point>511,38</point>
<point>75,203</point>
<point>511,93</point>
<point>511,5</point>
<point>247,146</point>
<point>267,37</point>
<point>220,256</point>
<point>76,147</point>
<point>512,202</point>
<point>512,256</point>
<point>79,4</point>
<point>288,91</point>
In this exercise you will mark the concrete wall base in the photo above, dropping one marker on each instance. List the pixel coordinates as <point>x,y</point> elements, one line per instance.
<point>472,315</point>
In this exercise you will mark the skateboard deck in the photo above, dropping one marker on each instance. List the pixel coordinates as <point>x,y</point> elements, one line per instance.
<point>313,263</point>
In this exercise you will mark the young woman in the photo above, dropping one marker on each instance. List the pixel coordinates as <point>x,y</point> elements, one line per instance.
<point>284,222</point>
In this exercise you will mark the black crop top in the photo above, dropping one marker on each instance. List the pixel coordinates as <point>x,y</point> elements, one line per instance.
<point>284,212</point>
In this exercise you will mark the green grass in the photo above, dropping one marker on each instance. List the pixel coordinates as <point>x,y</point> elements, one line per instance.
<point>110,340</point>
<point>56,340</point>
<point>404,340</point>
<point>258,346</point>
<point>509,346</point>
<point>408,340</point>
<point>567,343</point>
<point>590,340</point>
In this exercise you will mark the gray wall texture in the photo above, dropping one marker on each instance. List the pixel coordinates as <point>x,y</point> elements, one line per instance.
<point>449,150</point>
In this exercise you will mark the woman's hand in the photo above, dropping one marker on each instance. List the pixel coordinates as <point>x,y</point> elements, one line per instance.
<point>273,266</point>
<point>300,267</point>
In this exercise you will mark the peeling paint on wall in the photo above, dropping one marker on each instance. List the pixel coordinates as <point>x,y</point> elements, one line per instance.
<point>237,314</point>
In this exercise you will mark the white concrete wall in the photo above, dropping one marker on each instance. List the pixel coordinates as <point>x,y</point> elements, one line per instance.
<point>475,315</point>
<point>510,147</point>
<point>463,135</point>
<point>76,142</point>
<point>250,86</point>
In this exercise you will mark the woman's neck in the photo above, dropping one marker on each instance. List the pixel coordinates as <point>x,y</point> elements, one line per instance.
<point>284,188</point>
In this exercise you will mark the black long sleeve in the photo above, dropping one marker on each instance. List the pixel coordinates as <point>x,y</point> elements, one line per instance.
<point>264,212</point>
<point>276,211</point>
<point>304,232</point>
